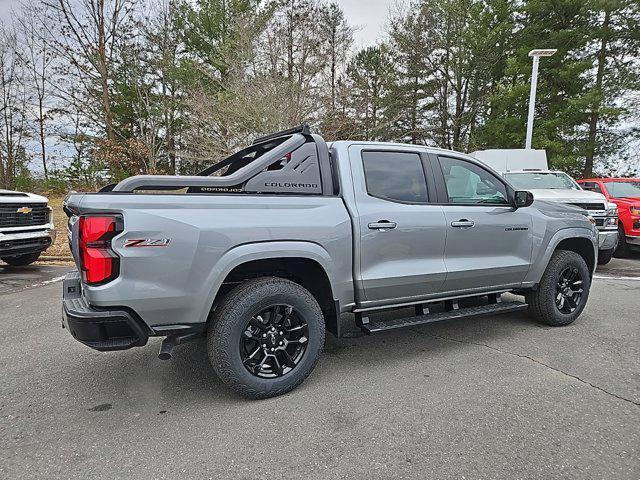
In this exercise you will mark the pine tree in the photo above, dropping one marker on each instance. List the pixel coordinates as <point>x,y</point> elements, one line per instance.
<point>369,76</point>
<point>413,89</point>
<point>615,76</point>
<point>562,83</point>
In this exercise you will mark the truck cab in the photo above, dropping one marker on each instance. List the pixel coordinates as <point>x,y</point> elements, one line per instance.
<point>625,194</point>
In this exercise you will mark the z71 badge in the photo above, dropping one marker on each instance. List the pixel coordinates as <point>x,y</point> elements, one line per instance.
<point>146,242</point>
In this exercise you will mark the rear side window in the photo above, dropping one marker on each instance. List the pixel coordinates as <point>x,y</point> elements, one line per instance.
<point>592,186</point>
<point>395,176</point>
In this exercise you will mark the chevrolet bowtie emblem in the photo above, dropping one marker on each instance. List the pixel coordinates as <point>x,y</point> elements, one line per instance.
<point>24,210</point>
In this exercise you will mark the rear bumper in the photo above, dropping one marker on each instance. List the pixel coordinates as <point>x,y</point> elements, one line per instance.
<point>98,328</point>
<point>607,239</point>
<point>23,242</point>
<point>633,240</point>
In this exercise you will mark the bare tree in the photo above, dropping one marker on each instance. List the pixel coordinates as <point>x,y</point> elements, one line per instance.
<point>336,36</point>
<point>162,40</point>
<point>37,58</point>
<point>13,107</point>
<point>88,35</point>
<point>293,55</point>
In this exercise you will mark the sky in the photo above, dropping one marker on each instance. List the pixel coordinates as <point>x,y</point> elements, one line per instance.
<point>368,17</point>
<point>5,8</point>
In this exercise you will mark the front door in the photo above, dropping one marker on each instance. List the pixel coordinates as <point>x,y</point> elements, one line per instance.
<point>402,233</point>
<point>488,241</point>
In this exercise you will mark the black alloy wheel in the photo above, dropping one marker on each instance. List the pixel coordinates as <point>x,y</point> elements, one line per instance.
<point>274,341</point>
<point>265,337</point>
<point>569,290</point>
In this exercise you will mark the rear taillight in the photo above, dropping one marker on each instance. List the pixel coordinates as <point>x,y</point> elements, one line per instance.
<point>98,262</point>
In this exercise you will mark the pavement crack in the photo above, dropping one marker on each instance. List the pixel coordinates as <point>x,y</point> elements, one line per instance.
<point>526,357</point>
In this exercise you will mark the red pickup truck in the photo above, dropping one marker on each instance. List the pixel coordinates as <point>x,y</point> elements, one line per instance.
<point>625,193</point>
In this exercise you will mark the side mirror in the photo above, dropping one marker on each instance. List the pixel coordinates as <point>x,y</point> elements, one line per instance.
<point>523,198</point>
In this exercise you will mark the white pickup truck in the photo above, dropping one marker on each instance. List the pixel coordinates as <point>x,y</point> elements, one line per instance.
<point>528,170</point>
<point>26,227</point>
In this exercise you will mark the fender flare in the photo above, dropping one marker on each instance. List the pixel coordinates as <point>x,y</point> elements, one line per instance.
<point>262,251</point>
<point>539,264</point>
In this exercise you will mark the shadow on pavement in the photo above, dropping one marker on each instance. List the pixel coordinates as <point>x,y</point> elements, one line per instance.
<point>621,267</point>
<point>140,380</point>
<point>14,279</point>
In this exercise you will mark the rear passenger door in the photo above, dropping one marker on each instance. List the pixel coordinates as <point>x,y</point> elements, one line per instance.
<point>488,241</point>
<point>401,230</point>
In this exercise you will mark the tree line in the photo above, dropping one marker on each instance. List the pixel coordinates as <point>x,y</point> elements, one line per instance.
<point>92,91</point>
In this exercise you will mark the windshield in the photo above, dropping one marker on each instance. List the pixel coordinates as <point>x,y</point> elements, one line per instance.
<point>623,189</point>
<point>535,180</point>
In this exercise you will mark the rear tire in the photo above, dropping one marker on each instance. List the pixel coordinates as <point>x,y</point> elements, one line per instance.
<point>552,303</point>
<point>605,256</point>
<point>241,318</point>
<point>21,260</point>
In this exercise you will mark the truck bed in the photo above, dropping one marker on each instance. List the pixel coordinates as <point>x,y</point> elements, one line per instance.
<point>207,236</point>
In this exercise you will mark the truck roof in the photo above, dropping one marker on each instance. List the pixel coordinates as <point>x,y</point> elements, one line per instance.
<point>398,144</point>
<point>534,170</point>
<point>610,179</point>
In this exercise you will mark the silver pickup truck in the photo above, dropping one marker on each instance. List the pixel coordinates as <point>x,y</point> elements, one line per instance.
<point>263,251</point>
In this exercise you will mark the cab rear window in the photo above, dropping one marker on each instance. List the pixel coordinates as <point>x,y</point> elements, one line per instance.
<point>395,176</point>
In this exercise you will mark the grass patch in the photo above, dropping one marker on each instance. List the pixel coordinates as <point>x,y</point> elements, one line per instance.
<point>60,247</point>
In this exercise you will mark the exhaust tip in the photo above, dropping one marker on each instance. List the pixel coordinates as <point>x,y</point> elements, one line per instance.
<point>165,348</point>
<point>164,355</point>
<point>172,340</point>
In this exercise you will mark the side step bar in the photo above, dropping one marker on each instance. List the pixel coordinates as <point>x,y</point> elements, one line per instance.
<point>490,309</point>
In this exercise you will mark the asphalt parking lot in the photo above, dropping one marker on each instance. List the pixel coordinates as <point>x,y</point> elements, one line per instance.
<point>497,397</point>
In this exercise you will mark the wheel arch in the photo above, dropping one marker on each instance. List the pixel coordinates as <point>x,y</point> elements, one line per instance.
<point>305,263</point>
<point>583,247</point>
<point>579,240</point>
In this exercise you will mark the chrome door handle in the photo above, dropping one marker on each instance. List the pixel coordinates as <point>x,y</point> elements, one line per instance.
<point>463,223</point>
<point>382,225</point>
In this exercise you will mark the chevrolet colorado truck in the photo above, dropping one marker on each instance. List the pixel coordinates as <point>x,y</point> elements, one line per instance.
<point>263,251</point>
<point>26,227</point>
<point>625,193</point>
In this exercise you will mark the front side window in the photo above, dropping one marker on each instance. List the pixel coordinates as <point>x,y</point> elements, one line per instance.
<point>623,189</point>
<point>395,176</point>
<point>468,183</point>
<point>541,180</point>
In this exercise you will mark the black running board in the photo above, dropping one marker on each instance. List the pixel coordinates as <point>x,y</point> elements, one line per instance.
<point>490,309</point>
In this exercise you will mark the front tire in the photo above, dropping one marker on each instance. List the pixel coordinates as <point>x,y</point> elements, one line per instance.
<point>605,256</point>
<point>266,337</point>
<point>622,250</point>
<point>21,260</point>
<point>563,290</point>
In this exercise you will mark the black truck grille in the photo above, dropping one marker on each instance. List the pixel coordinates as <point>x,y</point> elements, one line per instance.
<point>18,214</point>
<point>590,206</point>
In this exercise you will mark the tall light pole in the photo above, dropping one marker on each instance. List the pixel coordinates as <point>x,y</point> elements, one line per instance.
<point>536,54</point>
